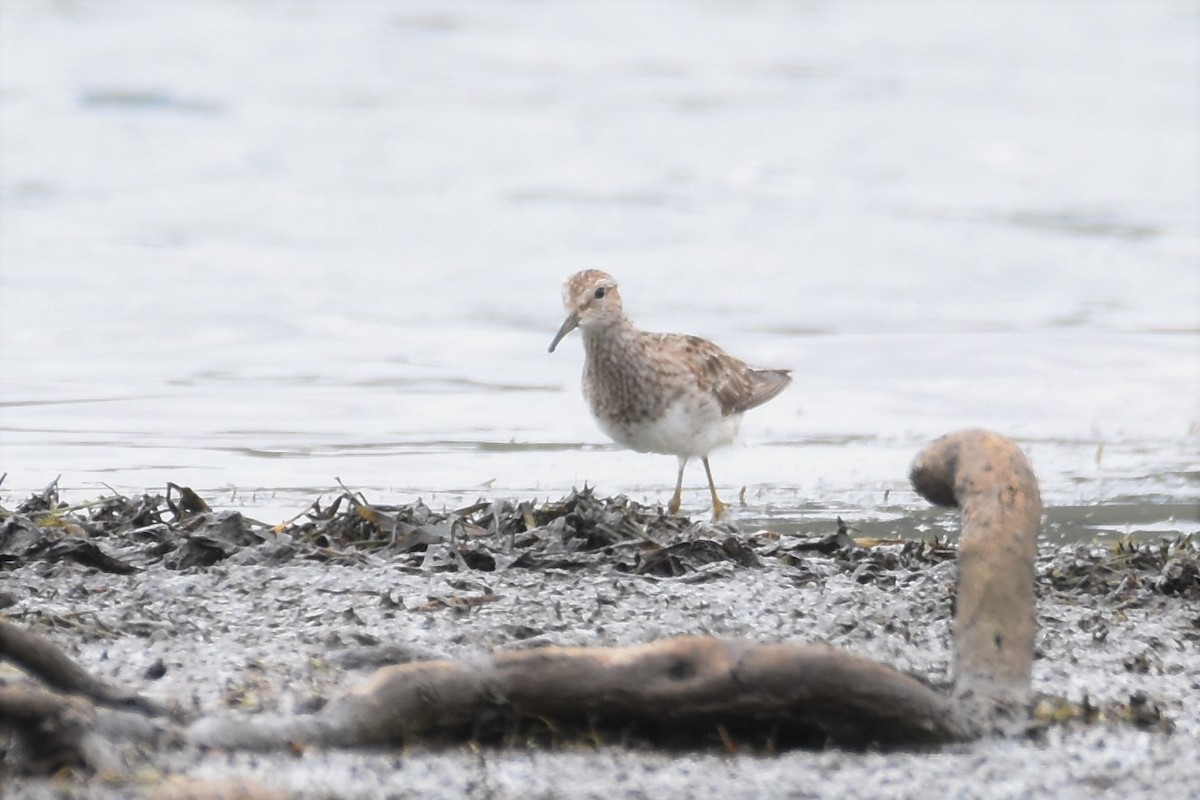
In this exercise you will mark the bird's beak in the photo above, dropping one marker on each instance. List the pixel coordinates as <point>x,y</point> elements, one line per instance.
<point>569,324</point>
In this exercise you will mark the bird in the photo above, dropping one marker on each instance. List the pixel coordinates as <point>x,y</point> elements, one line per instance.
<point>664,393</point>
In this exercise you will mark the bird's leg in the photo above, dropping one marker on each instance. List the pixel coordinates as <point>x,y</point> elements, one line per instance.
<point>718,506</point>
<point>677,498</point>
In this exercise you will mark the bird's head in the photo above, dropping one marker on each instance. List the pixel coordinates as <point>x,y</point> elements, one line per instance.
<point>592,301</point>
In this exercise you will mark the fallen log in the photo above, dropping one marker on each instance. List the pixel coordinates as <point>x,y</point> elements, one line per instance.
<point>76,721</point>
<point>686,687</point>
<point>42,659</point>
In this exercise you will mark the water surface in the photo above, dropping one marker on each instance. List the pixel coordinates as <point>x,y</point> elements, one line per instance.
<point>254,248</point>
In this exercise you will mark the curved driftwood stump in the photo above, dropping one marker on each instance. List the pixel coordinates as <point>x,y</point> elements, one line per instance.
<point>989,478</point>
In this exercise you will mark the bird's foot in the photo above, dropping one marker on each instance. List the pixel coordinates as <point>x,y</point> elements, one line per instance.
<point>719,509</point>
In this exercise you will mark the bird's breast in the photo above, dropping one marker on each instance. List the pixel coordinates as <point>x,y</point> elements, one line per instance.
<point>683,428</point>
<point>644,401</point>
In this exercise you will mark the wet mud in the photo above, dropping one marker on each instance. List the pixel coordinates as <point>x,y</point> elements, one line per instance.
<point>212,613</point>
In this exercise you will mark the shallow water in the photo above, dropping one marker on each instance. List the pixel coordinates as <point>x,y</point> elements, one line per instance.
<point>255,248</point>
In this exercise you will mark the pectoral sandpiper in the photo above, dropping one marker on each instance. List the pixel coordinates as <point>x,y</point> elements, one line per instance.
<point>659,392</point>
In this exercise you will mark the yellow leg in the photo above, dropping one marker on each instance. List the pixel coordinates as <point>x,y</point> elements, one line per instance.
<point>718,506</point>
<point>677,498</point>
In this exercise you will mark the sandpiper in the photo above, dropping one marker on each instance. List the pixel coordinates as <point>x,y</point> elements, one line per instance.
<point>659,392</point>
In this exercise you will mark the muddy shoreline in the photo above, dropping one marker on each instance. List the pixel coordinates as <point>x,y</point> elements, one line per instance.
<point>214,613</point>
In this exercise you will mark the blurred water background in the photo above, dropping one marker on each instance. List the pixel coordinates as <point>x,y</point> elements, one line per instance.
<point>254,247</point>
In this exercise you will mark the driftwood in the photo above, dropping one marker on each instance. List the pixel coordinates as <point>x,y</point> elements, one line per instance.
<point>989,478</point>
<point>74,722</point>
<point>686,689</point>
<point>701,682</point>
<point>43,659</point>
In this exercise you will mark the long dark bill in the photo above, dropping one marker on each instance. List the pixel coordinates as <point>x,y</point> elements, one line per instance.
<point>569,324</point>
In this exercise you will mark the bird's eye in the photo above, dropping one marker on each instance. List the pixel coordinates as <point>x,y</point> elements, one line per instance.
<point>599,293</point>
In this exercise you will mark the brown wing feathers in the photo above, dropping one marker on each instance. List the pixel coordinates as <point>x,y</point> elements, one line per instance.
<point>737,386</point>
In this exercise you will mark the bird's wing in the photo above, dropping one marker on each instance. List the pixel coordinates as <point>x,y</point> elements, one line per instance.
<point>736,386</point>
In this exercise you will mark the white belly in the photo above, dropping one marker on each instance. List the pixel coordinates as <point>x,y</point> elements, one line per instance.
<point>686,429</point>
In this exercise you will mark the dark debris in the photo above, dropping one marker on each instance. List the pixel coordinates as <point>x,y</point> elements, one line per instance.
<point>1126,571</point>
<point>179,530</point>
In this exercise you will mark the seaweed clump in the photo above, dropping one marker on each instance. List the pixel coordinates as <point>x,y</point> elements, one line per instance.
<point>1127,570</point>
<point>179,530</point>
